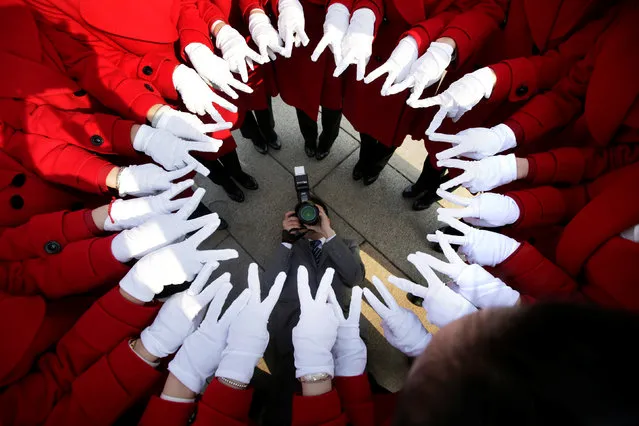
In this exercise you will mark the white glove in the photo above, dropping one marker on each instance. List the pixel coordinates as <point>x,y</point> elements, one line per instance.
<point>185,125</point>
<point>170,151</point>
<point>148,179</point>
<point>126,214</point>
<point>442,304</point>
<point>248,335</point>
<point>201,352</point>
<point>482,175</point>
<point>236,52</point>
<point>401,327</point>
<point>159,231</point>
<point>460,97</point>
<point>485,248</point>
<point>425,71</point>
<point>171,265</point>
<point>315,333</point>
<point>266,38</point>
<point>476,143</point>
<point>472,281</point>
<point>290,25</point>
<point>357,46</point>
<point>397,66</point>
<point>335,27</point>
<point>178,316</point>
<point>197,96</point>
<point>349,351</point>
<point>486,210</point>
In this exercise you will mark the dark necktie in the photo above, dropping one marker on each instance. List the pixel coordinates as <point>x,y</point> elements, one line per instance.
<point>316,248</point>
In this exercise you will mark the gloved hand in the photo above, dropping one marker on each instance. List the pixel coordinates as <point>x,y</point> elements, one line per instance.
<point>442,304</point>
<point>201,352</point>
<point>160,231</point>
<point>185,125</point>
<point>265,36</point>
<point>148,179</point>
<point>126,214</point>
<point>349,351</point>
<point>291,25</point>
<point>315,333</point>
<point>178,317</point>
<point>335,27</point>
<point>460,97</point>
<point>197,95</point>
<point>486,210</point>
<point>397,66</point>
<point>476,143</point>
<point>485,248</point>
<point>357,46</point>
<point>482,175</point>
<point>425,71</point>
<point>236,52</point>
<point>401,327</point>
<point>248,335</point>
<point>214,70</point>
<point>472,281</point>
<point>170,151</point>
<point>174,264</point>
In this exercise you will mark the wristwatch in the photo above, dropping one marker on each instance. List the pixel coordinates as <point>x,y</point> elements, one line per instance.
<point>315,378</point>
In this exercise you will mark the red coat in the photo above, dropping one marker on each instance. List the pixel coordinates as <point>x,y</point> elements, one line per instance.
<point>81,378</point>
<point>302,83</point>
<point>591,259</point>
<point>388,119</point>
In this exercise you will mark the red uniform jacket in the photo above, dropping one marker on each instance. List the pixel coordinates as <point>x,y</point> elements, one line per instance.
<point>79,380</point>
<point>591,259</point>
<point>388,119</point>
<point>302,83</point>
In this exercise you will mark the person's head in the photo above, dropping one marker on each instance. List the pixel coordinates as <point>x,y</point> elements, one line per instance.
<point>321,205</point>
<point>537,365</point>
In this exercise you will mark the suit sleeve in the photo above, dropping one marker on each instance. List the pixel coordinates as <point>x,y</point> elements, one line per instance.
<point>278,262</point>
<point>357,399</point>
<point>222,405</point>
<point>29,240</point>
<point>321,410</point>
<point>110,321</point>
<point>79,268</point>
<point>347,261</point>
<point>575,165</point>
<point>536,277</point>
<point>99,133</point>
<point>105,390</point>
<point>472,28</point>
<point>160,412</point>
<point>520,79</point>
<point>192,27</point>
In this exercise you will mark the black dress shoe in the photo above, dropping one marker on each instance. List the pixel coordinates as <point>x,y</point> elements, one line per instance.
<point>246,180</point>
<point>358,172</point>
<point>260,144</point>
<point>415,300</point>
<point>426,200</point>
<point>233,191</point>
<point>323,148</point>
<point>369,180</point>
<point>223,225</point>
<point>412,191</point>
<point>320,155</point>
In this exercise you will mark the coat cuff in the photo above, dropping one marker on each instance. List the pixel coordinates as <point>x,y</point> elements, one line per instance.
<point>539,206</point>
<point>142,100</point>
<point>322,409</point>
<point>79,225</point>
<point>524,84</point>
<point>101,177</point>
<point>225,405</point>
<point>503,84</point>
<point>160,412</point>
<point>103,262</point>
<point>562,165</point>
<point>158,69</point>
<point>122,143</point>
<point>352,390</point>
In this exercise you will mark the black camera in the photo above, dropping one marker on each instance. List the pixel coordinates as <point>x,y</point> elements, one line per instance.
<point>306,210</point>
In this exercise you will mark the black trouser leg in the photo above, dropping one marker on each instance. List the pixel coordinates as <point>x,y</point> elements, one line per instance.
<point>308,127</point>
<point>380,155</point>
<point>331,119</point>
<point>231,163</point>
<point>366,149</point>
<point>249,127</point>
<point>265,118</point>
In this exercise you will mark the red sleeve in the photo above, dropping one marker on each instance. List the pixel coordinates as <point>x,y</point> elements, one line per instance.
<point>104,391</point>
<point>471,29</point>
<point>100,133</point>
<point>59,162</point>
<point>160,412</point>
<point>533,275</point>
<point>377,6</point>
<point>222,405</point>
<point>210,12</point>
<point>324,410</point>
<point>357,399</point>
<point>521,78</point>
<point>192,27</point>
<point>29,240</point>
<point>547,205</point>
<point>80,267</point>
<point>576,165</point>
<point>110,321</point>
<point>429,30</point>
<point>347,3</point>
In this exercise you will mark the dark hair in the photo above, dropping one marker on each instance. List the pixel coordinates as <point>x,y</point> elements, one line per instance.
<point>320,203</point>
<point>540,365</point>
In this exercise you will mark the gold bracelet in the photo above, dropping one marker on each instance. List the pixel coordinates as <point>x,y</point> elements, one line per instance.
<point>233,383</point>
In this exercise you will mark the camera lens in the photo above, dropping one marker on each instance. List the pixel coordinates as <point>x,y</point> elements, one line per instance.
<point>308,214</point>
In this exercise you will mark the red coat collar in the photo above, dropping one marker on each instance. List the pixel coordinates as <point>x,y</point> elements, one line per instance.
<point>148,20</point>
